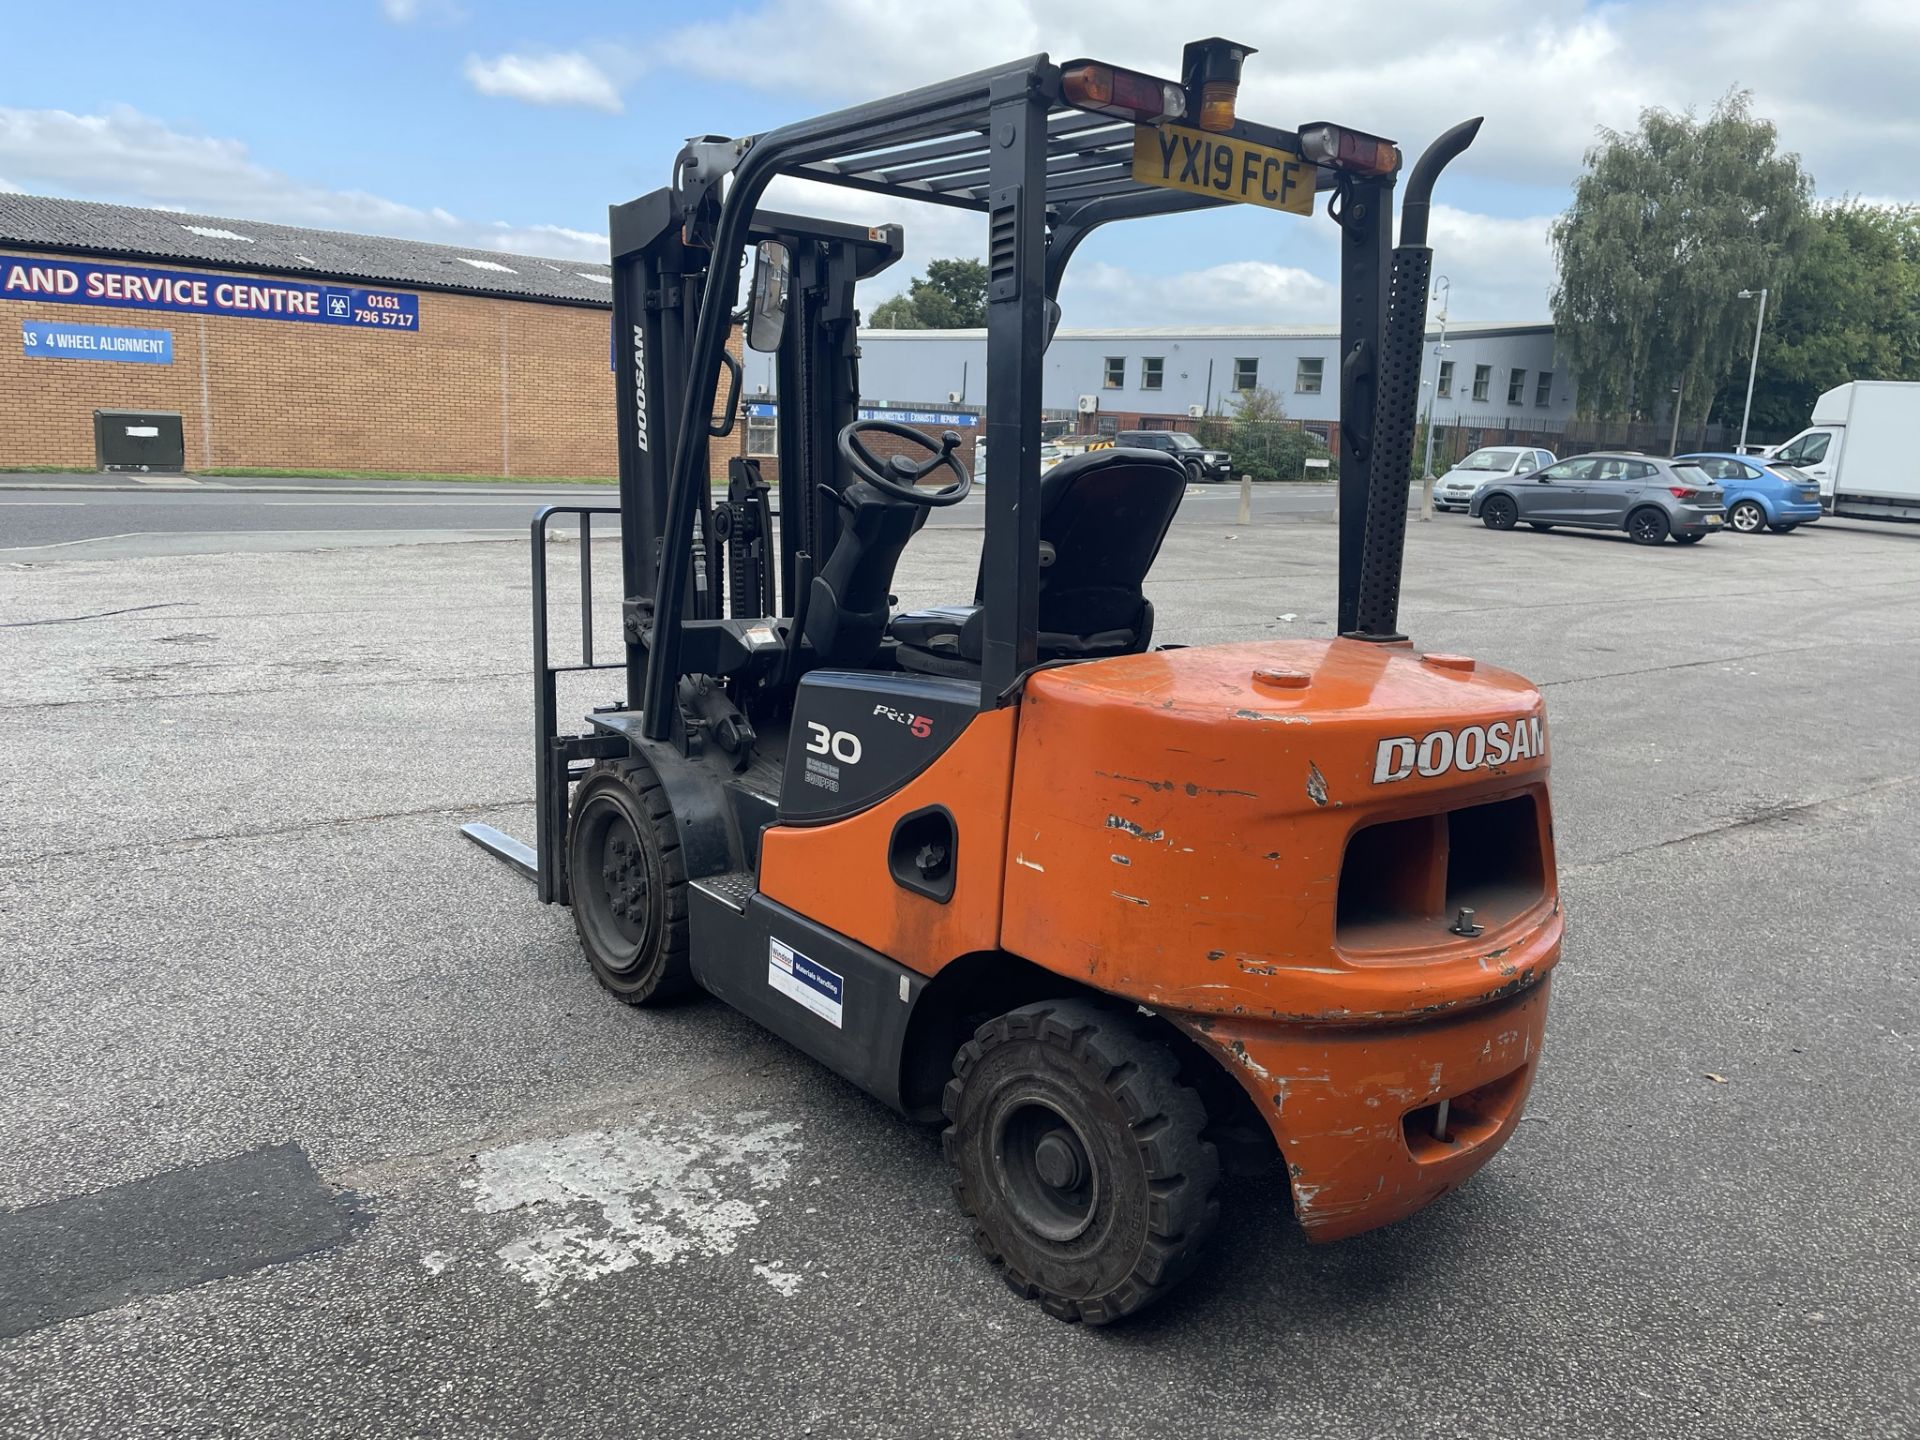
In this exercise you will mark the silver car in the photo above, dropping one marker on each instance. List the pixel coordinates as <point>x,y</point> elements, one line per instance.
<point>1648,498</point>
<point>1454,489</point>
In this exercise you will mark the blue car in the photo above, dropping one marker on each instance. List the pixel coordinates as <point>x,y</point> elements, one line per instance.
<point>1759,493</point>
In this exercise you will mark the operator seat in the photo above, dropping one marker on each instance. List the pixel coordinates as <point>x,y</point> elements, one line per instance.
<point>1103,515</point>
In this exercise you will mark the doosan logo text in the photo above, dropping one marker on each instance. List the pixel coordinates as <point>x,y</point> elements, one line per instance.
<point>1473,748</point>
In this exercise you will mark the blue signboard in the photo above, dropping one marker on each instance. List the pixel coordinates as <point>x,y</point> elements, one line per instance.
<point>959,419</point>
<point>58,340</point>
<point>258,297</point>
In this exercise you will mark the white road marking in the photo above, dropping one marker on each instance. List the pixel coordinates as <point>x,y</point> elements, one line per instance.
<point>782,1280</point>
<point>664,1193</point>
<point>62,544</point>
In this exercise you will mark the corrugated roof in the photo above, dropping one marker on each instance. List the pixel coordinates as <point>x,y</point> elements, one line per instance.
<point>41,222</point>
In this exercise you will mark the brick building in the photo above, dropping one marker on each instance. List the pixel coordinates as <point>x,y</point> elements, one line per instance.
<point>285,348</point>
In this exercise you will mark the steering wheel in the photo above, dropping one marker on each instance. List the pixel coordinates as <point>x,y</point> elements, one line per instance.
<point>898,475</point>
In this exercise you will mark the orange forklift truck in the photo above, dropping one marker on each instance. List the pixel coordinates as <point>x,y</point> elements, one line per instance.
<point>1116,913</point>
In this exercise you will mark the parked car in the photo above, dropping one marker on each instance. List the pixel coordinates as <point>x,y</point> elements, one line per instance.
<point>1202,464</point>
<point>1648,498</point>
<point>1454,489</point>
<point>1760,493</point>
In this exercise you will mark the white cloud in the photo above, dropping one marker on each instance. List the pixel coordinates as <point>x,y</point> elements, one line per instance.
<point>1837,76</point>
<point>1500,269</point>
<point>561,78</point>
<point>408,12</point>
<point>1237,292</point>
<point>131,158</point>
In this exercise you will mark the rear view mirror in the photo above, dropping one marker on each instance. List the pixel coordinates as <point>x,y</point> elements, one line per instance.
<point>767,312</point>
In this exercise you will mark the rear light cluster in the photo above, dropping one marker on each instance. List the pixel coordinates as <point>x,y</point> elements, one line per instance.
<point>1681,492</point>
<point>1109,90</point>
<point>1340,149</point>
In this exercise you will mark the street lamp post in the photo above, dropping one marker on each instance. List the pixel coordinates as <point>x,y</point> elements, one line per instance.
<point>1443,290</point>
<point>1754,364</point>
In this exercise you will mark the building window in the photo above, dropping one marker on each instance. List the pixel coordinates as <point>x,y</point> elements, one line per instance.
<point>1543,391</point>
<point>1151,368</point>
<point>762,429</point>
<point>1116,372</point>
<point>1306,378</point>
<point>1482,380</point>
<point>1446,379</point>
<point>1246,374</point>
<point>1516,387</point>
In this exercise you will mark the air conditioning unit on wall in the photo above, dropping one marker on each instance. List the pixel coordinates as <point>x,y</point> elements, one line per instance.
<point>1089,404</point>
<point>1194,412</point>
<point>954,397</point>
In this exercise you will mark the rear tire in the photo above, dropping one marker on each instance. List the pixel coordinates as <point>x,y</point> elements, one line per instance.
<point>1747,517</point>
<point>1688,539</point>
<point>1784,529</point>
<point>1539,525</point>
<point>628,884</point>
<point>1077,1156</point>
<point>1498,513</point>
<point>1648,526</point>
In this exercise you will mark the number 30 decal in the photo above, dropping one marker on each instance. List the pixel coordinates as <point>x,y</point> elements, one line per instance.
<point>843,745</point>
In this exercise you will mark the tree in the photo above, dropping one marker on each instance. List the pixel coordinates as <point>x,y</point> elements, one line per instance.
<point>1850,311</point>
<point>1667,225</point>
<point>952,295</point>
<point>1264,443</point>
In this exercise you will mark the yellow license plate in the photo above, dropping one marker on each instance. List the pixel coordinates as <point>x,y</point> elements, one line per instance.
<point>1176,157</point>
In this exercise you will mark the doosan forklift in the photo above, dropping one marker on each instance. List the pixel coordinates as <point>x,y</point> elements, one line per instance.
<point>1116,913</point>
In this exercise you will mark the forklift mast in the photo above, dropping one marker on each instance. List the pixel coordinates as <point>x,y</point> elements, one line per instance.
<point>662,273</point>
<point>1044,173</point>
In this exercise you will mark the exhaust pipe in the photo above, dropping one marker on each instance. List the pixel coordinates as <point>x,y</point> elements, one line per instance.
<point>1403,337</point>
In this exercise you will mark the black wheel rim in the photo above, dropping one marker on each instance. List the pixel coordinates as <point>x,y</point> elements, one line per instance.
<point>1502,513</point>
<point>613,886</point>
<point>1047,1170</point>
<point>1646,526</point>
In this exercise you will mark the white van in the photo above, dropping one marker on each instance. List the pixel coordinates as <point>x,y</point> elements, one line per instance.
<point>1863,447</point>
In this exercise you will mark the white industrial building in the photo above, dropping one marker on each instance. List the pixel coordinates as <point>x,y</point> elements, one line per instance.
<point>1491,376</point>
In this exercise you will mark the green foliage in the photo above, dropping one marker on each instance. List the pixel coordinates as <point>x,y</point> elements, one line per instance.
<point>1667,225</point>
<point>952,295</point>
<point>1850,311</point>
<point>1264,443</point>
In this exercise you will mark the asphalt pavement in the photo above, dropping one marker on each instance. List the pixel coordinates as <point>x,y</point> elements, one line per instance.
<point>116,517</point>
<point>316,1124</point>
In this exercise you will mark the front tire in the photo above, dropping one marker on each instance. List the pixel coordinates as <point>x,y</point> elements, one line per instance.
<point>1499,513</point>
<point>1648,526</point>
<point>1747,517</point>
<point>1688,539</point>
<point>627,883</point>
<point>1539,525</point>
<point>1078,1157</point>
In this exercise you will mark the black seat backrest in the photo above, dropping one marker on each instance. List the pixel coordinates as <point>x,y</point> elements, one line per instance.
<point>1104,513</point>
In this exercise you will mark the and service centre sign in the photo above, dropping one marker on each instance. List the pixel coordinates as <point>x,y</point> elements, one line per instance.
<point>129,287</point>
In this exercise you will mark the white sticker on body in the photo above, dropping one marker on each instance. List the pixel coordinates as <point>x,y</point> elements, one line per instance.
<point>812,986</point>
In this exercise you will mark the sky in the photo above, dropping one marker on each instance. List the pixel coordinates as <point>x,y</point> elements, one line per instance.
<point>501,126</point>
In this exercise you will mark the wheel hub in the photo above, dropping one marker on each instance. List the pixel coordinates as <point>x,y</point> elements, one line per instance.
<point>624,873</point>
<point>1052,1185</point>
<point>1060,1161</point>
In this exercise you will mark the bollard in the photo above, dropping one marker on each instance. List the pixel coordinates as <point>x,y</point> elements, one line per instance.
<point>1426,496</point>
<point>1246,498</point>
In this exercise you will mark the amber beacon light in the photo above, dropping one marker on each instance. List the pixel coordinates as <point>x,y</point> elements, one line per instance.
<point>1210,74</point>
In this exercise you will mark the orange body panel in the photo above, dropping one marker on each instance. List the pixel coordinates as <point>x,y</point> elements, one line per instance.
<point>837,874</point>
<point>1177,837</point>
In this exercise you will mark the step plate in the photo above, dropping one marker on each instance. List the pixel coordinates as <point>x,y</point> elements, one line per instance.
<point>734,888</point>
